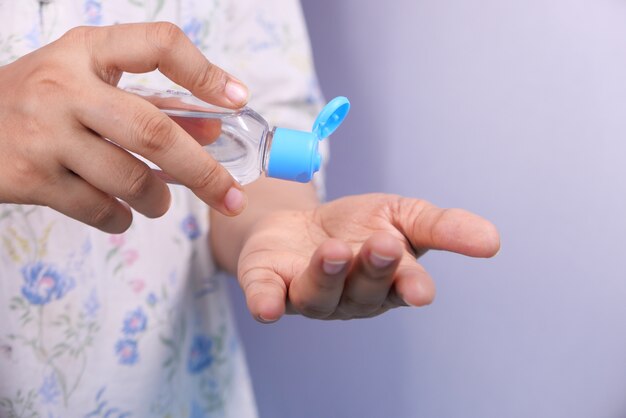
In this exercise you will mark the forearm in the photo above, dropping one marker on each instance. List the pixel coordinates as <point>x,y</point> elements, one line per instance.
<point>264,196</point>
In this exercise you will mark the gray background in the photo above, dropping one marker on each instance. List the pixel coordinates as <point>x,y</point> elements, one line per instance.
<point>514,109</point>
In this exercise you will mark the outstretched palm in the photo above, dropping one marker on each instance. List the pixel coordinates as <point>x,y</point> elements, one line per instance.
<point>354,257</point>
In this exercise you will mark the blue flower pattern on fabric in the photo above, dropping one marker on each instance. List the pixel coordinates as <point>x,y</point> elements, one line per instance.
<point>135,322</point>
<point>193,30</point>
<point>200,354</point>
<point>103,407</point>
<point>49,392</point>
<point>190,227</point>
<point>34,36</point>
<point>126,350</point>
<point>91,306</point>
<point>93,12</point>
<point>151,299</point>
<point>196,411</point>
<point>44,283</point>
<point>67,284</point>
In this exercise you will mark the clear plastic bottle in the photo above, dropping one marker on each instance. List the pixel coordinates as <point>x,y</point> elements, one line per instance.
<point>242,141</point>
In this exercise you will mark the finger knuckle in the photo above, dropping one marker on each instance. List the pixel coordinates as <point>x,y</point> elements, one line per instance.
<point>327,286</point>
<point>311,310</point>
<point>151,132</point>
<point>139,182</point>
<point>375,276</point>
<point>358,307</point>
<point>435,232</point>
<point>165,36</point>
<point>25,172</point>
<point>78,34</point>
<point>24,168</point>
<point>209,78</point>
<point>49,80</point>
<point>102,214</point>
<point>257,286</point>
<point>208,177</point>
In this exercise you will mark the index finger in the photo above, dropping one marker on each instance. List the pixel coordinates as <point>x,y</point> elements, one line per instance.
<point>138,126</point>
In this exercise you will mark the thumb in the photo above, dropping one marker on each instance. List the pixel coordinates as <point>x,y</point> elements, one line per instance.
<point>428,227</point>
<point>143,47</point>
<point>265,293</point>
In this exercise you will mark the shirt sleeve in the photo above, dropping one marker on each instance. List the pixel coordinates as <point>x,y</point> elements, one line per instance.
<point>266,45</point>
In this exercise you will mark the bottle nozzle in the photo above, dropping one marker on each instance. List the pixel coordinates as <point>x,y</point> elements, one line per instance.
<point>294,155</point>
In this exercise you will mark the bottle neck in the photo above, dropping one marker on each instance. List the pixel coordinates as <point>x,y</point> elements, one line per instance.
<point>265,146</point>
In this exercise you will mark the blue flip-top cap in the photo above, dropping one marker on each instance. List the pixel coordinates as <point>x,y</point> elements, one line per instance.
<point>294,155</point>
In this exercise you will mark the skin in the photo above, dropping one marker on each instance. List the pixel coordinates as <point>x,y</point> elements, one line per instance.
<point>350,258</point>
<point>60,101</point>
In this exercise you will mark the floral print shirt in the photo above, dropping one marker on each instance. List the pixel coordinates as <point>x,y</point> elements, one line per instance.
<point>138,324</point>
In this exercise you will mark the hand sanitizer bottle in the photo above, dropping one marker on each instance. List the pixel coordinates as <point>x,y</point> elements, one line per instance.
<point>242,141</point>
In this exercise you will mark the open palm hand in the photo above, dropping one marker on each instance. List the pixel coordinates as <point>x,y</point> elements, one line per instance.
<point>354,257</point>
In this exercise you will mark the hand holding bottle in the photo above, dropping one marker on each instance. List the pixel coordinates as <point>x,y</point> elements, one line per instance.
<point>354,257</point>
<point>243,142</point>
<point>60,102</point>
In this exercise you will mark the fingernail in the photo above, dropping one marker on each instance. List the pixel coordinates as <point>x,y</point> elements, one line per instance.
<point>380,261</point>
<point>236,92</point>
<point>266,321</point>
<point>333,267</point>
<point>234,200</point>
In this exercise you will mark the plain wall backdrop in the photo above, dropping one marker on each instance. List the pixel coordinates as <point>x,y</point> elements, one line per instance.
<point>514,109</point>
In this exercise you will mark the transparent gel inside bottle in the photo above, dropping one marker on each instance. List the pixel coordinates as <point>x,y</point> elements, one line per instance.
<point>242,141</point>
<point>237,139</point>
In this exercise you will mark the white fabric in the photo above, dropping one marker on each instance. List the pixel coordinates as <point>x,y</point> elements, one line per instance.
<point>138,324</point>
